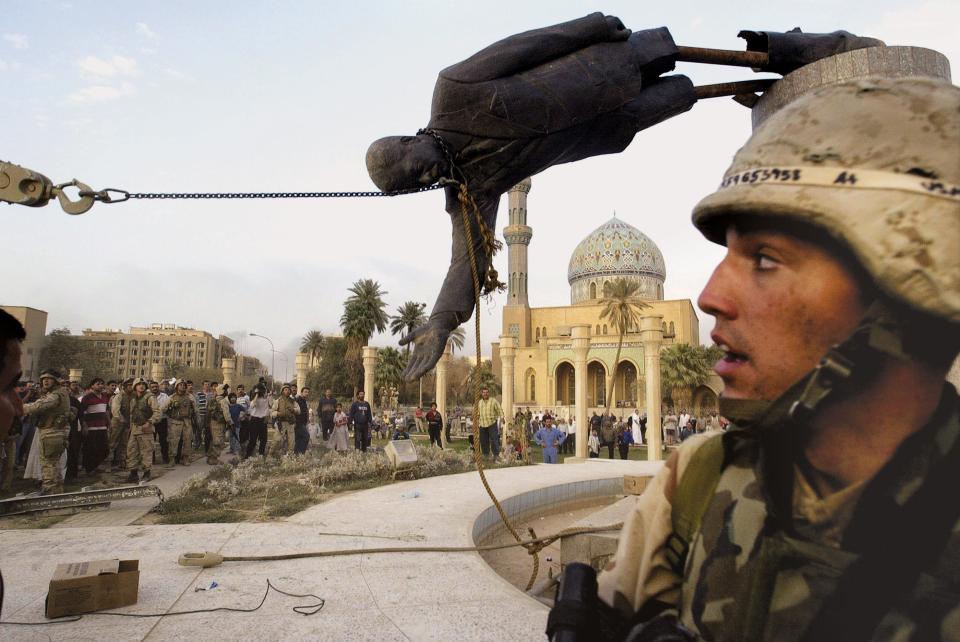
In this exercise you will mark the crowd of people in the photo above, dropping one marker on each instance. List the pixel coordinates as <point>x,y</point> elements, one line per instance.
<point>68,432</point>
<point>615,434</point>
<point>113,431</point>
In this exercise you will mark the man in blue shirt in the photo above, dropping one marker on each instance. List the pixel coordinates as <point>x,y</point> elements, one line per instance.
<point>360,415</point>
<point>549,438</point>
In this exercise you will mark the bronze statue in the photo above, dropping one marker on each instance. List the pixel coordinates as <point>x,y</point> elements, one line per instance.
<point>537,99</point>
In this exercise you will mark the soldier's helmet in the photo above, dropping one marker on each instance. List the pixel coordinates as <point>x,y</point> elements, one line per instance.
<point>51,374</point>
<point>128,381</point>
<point>875,162</point>
<point>138,381</point>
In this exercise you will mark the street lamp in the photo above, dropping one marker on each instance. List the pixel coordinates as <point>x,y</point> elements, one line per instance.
<point>273,361</point>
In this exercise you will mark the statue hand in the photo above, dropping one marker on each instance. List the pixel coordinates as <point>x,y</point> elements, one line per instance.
<point>429,341</point>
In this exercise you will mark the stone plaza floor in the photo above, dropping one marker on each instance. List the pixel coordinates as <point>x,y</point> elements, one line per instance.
<point>408,596</point>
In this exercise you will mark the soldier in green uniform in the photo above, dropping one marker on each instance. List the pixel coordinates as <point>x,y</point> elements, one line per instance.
<point>218,412</point>
<point>828,510</point>
<point>120,423</point>
<point>181,413</point>
<point>144,416</point>
<point>286,410</point>
<point>51,413</point>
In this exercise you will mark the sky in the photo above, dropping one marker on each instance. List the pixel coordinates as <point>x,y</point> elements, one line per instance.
<point>286,96</point>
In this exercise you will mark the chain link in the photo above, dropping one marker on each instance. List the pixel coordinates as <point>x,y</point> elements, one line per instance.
<point>104,196</point>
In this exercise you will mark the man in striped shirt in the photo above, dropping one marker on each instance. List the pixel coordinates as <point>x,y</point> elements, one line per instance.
<point>95,424</point>
<point>488,413</point>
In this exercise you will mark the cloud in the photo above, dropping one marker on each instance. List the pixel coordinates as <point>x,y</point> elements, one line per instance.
<point>145,31</point>
<point>17,40</point>
<point>101,93</point>
<point>92,66</point>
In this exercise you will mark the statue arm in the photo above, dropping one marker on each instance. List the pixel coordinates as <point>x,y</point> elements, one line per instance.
<point>535,47</point>
<point>454,304</point>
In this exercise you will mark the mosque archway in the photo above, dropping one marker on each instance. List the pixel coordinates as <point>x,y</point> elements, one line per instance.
<point>626,389</point>
<point>566,384</point>
<point>704,401</point>
<point>596,384</point>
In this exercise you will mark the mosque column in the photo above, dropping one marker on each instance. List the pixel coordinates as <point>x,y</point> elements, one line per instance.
<point>440,394</point>
<point>581,346</point>
<point>228,367</point>
<point>369,366</point>
<point>508,351</point>
<point>302,365</point>
<point>651,333</point>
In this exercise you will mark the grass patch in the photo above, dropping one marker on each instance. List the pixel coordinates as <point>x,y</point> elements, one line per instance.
<point>262,489</point>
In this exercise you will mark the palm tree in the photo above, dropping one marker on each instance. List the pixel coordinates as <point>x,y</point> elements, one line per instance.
<point>683,367</point>
<point>456,339</point>
<point>487,380</point>
<point>390,365</point>
<point>408,316</point>
<point>364,313</point>
<point>312,344</point>
<point>621,308</point>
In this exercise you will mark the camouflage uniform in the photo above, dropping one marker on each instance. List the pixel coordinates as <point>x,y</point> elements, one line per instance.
<point>119,427</point>
<point>144,415</point>
<point>181,413</point>
<point>51,414</point>
<point>218,411</point>
<point>287,411</point>
<point>772,559</point>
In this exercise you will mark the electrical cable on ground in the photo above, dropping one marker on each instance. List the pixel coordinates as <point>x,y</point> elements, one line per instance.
<point>305,609</point>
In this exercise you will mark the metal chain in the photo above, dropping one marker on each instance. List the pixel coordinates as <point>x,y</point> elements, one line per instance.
<point>112,195</point>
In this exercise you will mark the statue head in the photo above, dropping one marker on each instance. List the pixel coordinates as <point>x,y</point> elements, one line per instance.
<point>405,162</point>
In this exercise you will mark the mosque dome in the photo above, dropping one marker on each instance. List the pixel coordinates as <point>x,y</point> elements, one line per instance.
<point>615,250</point>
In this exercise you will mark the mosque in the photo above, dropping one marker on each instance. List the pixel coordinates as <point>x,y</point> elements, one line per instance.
<point>540,349</point>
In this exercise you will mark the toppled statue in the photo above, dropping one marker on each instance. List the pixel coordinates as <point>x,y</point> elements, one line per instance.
<point>533,100</point>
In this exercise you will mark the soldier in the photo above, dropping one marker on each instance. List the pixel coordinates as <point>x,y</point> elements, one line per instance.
<point>120,423</point>
<point>218,412</point>
<point>286,410</point>
<point>181,414</point>
<point>144,416</point>
<point>824,512</point>
<point>51,414</point>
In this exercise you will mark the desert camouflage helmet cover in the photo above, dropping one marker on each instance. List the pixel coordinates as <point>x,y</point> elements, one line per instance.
<point>876,163</point>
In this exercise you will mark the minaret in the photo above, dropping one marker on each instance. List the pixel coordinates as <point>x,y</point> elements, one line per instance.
<point>518,235</point>
<point>516,313</point>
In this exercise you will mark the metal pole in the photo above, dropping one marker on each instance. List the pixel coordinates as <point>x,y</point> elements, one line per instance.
<point>273,353</point>
<point>729,57</point>
<point>733,88</point>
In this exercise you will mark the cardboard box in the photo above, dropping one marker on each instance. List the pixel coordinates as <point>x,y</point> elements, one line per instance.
<point>84,587</point>
<point>635,484</point>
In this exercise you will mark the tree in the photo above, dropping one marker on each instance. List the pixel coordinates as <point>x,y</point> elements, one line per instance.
<point>456,339</point>
<point>312,344</point>
<point>683,367</point>
<point>487,380</point>
<point>621,308</point>
<point>63,351</point>
<point>364,313</point>
<point>389,372</point>
<point>332,371</point>
<point>408,316</point>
